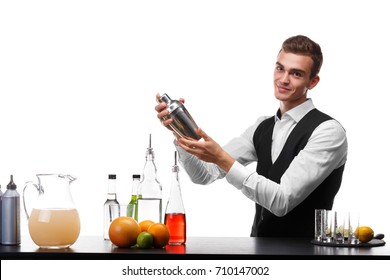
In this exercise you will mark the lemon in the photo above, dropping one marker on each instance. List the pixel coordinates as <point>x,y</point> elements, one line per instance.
<point>145,240</point>
<point>364,233</point>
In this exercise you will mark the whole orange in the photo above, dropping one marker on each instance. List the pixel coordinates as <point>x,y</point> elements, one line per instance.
<point>123,231</point>
<point>160,234</point>
<point>145,225</point>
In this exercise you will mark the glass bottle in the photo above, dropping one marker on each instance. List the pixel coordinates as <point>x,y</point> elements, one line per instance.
<point>132,209</point>
<point>175,217</point>
<point>108,214</point>
<point>150,190</point>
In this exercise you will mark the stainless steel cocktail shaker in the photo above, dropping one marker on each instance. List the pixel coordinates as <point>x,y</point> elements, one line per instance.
<point>183,124</point>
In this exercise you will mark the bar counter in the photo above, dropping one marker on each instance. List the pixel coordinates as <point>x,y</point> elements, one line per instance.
<point>95,247</point>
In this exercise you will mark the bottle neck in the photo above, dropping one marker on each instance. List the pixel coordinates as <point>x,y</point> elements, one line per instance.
<point>150,170</point>
<point>111,196</point>
<point>135,187</point>
<point>150,187</point>
<point>175,185</point>
<point>175,201</point>
<point>111,188</point>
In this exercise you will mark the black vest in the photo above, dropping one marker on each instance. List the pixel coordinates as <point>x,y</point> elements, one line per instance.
<point>299,222</point>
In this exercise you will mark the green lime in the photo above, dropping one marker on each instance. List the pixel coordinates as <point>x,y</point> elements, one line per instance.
<point>145,240</point>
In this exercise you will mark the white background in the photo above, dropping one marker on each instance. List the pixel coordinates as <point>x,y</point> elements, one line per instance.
<point>113,269</point>
<point>78,81</point>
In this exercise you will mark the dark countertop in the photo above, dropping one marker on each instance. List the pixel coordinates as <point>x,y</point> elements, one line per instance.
<point>94,247</point>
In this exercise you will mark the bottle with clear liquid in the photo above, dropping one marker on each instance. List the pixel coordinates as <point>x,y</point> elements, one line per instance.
<point>109,215</point>
<point>132,209</point>
<point>175,217</point>
<point>150,190</point>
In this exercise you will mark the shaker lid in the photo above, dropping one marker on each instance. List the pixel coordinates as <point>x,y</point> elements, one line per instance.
<point>136,176</point>
<point>111,176</point>
<point>11,185</point>
<point>165,98</point>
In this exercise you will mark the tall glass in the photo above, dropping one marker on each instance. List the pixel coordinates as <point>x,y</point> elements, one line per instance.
<point>353,222</point>
<point>341,226</point>
<point>328,225</point>
<point>319,229</point>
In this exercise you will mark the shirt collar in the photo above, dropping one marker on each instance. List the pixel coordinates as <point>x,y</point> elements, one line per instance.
<point>298,112</point>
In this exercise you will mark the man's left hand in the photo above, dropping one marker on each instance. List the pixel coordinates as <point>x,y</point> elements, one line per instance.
<point>207,150</point>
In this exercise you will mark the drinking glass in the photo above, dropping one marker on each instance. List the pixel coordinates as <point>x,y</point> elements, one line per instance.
<point>353,224</point>
<point>319,229</point>
<point>119,210</point>
<point>328,225</point>
<point>340,226</point>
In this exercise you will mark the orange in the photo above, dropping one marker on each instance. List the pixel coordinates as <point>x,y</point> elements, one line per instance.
<point>123,231</point>
<point>364,233</point>
<point>160,234</point>
<point>145,224</point>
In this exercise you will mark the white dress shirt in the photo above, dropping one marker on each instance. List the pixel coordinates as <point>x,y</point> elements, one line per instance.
<point>325,151</point>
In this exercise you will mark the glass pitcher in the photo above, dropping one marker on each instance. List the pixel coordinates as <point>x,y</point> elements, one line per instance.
<point>54,221</point>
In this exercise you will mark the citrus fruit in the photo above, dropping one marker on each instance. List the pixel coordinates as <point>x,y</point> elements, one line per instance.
<point>364,233</point>
<point>160,234</point>
<point>145,225</point>
<point>145,240</point>
<point>123,231</point>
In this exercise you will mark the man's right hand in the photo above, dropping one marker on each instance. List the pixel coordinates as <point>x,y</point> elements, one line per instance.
<point>162,113</point>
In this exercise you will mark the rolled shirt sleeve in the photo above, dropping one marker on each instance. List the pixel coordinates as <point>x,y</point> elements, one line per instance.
<point>326,150</point>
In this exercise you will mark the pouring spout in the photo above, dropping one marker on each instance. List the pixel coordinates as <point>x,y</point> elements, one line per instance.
<point>69,177</point>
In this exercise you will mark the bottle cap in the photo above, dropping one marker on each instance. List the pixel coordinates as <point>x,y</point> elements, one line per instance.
<point>136,176</point>
<point>11,185</point>
<point>175,167</point>
<point>112,176</point>
<point>149,150</point>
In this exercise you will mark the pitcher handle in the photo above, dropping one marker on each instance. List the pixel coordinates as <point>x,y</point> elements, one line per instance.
<point>24,199</point>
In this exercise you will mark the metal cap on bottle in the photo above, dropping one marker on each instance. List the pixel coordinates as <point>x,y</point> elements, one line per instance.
<point>11,185</point>
<point>183,124</point>
<point>175,167</point>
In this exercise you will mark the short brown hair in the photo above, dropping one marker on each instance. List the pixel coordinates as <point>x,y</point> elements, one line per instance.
<point>303,45</point>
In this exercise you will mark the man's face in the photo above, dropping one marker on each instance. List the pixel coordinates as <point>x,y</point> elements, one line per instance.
<point>292,78</point>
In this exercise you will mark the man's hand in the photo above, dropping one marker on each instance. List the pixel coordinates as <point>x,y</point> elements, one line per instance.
<point>162,114</point>
<point>207,150</point>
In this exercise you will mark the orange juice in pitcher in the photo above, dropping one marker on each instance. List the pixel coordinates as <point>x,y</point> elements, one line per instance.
<point>54,227</point>
<point>54,221</point>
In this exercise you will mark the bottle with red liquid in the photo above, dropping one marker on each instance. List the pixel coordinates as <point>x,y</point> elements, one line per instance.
<point>175,217</point>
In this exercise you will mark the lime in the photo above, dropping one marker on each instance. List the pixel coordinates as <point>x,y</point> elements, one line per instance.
<point>145,240</point>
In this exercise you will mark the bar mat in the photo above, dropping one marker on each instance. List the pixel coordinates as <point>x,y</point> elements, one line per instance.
<point>372,243</point>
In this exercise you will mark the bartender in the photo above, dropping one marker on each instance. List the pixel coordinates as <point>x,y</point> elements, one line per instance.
<point>300,151</point>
